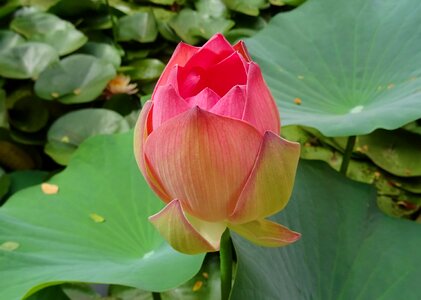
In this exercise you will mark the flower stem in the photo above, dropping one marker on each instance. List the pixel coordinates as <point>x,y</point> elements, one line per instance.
<point>226,264</point>
<point>156,296</point>
<point>347,155</point>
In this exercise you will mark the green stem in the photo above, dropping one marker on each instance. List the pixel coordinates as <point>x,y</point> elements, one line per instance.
<point>348,153</point>
<point>226,264</point>
<point>156,296</point>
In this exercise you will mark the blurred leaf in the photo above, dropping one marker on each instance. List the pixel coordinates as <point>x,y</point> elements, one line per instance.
<point>413,127</point>
<point>397,152</point>
<point>79,291</point>
<point>26,60</point>
<point>102,51</point>
<point>9,39</point>
<point>145,69</point>
<point>140,27</point>
<point>71,8</point>
<point>14,157</point>
<point>9,7</point>
<point>163,18</point>
<point>212,8</point>
<point>29,114</point>
<point>248,7</point>
<point>348,248</point>
<point>122,103</point>
<point>50,293</point>
<point>4,184</point>
<point>125,249</point>
<point>191,25</point>
<point>75,79</point>
<point>68,132</point>
<point>49,29</point>
<point>348,76</point>
<point>3,110</point>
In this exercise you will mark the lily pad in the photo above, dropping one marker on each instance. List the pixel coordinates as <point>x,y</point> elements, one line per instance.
<point>397,152</point>
<point>69,131</point>
<point>29,114</point>
<point>26,60</point>
<point>348,249</point>
<point>140,26</point>
<point>9,39</point>
<point>57,241</point>
<point>50,29</point>
<point>75,79</point>
<point>145,69</point>
<point>344,67</point>
<point>103,51</point>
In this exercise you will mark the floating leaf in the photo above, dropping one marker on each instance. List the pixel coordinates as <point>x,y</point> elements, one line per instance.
<point>103,51</point>
<point>75,79</point>
<point>29,114</point>
<point>140,26</point>
<point>69,131</point>
<point>352,63</point>
<point>145,69</point>
<point>26,60</point>
<point>248,7</point>
<point>4,183</point>
<point>192,25</point>
<point>348,250</point>
<point>9,39</point>
<point>397,152</point>
<point>126,249</point>
<point>50,29</point>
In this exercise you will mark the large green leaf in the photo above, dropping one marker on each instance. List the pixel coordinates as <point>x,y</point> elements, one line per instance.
<point>75,79</point>
<point>95,229</point>
<point>344,67</point>
<point>70,130</point>
<point>348,248</point>
<point>26,60</point>
<point>49,29</point>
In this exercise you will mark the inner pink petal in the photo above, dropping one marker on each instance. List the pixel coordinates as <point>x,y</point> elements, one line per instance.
<point>231,104</point>
<point>226,74</point>
<point>206,99</point>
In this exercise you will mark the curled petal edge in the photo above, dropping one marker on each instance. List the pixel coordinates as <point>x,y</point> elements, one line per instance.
<point>177,228</point>
<point>266,233</point>
<point>141,133</point>
<point>270,184</point>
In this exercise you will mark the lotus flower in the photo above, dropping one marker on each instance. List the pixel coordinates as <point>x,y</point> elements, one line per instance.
<point>208,144</point>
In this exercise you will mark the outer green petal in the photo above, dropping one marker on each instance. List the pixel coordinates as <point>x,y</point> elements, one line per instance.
<point>186,233</point>
<point>270,184</point>
<point>266,233</point>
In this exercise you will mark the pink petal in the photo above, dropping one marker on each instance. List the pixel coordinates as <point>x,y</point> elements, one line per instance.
<point>213,51</point>
<point>266,233</point>
<point>260,110</point>
<point>241,47</point>
<point>192,78</point>
<point>203,160</point>
<point>232,104</point>
<point>181,55</point>
<point>167,104</point>
<point>141,132</point>
<point>205,99</point>
<point>174,225</point>
<point>226,74</point>
<point>140,135</point>
<point>270,184</point>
